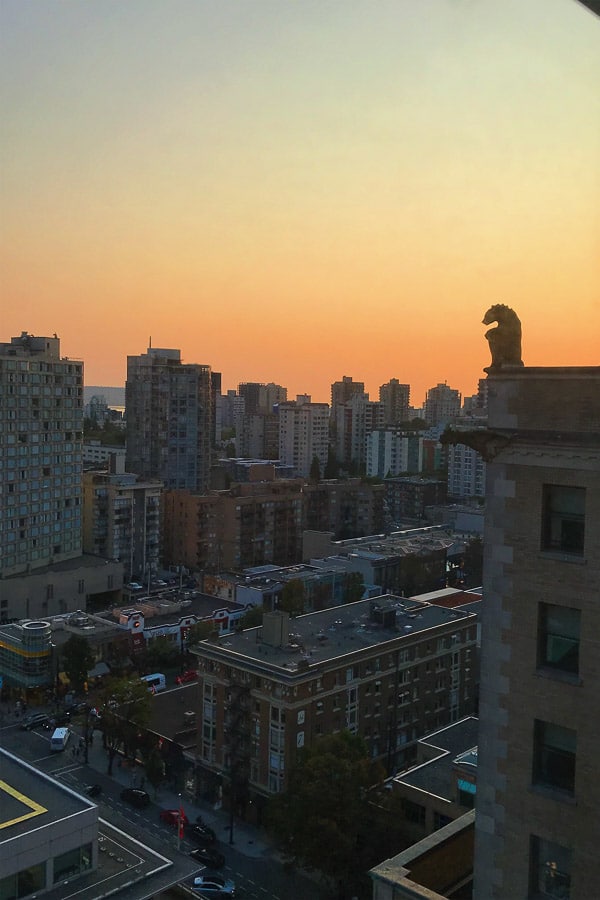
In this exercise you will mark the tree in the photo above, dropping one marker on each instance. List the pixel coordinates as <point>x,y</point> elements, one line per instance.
<point>161,652</point>
<point>331,466</point>
<point>292,597</point>
<point>252,617</point>
<point>77,660</point>
<point>155,769</point>
<point>322,818</point>
<point>125,709</point>
<point>355,586</point>
<point>201,631</point>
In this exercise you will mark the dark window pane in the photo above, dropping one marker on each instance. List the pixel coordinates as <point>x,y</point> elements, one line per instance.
<point>563,519</point>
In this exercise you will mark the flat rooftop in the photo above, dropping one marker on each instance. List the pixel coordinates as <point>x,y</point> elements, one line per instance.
<point>321,637</point>
<point>30,800</point>
<point>435,776</point>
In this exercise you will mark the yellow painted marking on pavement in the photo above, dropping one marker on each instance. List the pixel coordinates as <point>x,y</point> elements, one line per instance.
<point>35,809</point>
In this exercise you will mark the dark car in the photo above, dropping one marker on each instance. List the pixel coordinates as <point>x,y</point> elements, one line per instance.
<point>134,796</point>
<point>200,834</point>
<point>208,856</point>
<point>92,790</point>
<point>34,720</point>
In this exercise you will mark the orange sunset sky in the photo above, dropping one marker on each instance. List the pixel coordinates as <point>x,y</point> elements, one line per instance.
<point>296,191</point>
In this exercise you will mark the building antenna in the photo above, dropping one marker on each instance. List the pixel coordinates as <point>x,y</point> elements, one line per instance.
<point>150,342</point>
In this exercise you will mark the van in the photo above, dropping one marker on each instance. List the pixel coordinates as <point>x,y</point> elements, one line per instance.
<point>60,739</point>
<point>155,683</point>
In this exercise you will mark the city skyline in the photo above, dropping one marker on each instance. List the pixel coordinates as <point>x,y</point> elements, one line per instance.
<point>295,193</point>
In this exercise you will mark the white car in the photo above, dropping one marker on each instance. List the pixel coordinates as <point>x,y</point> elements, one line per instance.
<point>134,586</point>
<point>213,886</point>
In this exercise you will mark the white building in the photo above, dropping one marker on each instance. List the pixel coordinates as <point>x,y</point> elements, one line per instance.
<point>390,452</point>
<point>303,435</point>
<point>466,472</point>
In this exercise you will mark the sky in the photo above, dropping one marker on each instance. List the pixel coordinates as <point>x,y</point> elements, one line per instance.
<point>297,191</point>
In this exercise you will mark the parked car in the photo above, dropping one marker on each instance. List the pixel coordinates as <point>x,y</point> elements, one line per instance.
<point>187,677</point>
<point>213,886</point>
<point>201,834</point>
<point>172,816</point>
<point>208,856</point>
<point>34,720</point>
<point>134,586</point>
<point>61,718</point>
<point>93,790</point>
<point>136,797</point>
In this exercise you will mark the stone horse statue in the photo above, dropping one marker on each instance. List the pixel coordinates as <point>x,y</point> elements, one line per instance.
<point>505,339</point>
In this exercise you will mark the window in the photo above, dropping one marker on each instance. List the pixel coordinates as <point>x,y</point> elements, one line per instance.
<point>558,637</point>
<point>550,869</point>
<point>554,756</point>
<point>563,519</point>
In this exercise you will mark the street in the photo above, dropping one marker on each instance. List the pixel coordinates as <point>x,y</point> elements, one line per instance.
<point>251,862</point>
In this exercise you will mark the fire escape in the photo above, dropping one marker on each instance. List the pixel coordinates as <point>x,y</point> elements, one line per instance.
<point>237,746</point>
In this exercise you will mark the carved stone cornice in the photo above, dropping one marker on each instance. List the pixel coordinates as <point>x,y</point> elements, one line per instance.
<point>487,443</point>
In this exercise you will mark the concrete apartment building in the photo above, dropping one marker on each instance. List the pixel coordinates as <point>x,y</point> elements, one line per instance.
<point>170,419</point>
<point>121,519</point>
<point>250,524</point>
<point>442,404</point>
<point>257,523</point>
<point>42,569</point>
<point>466,472</point>
<point>41,440</point>
<point>389,669</point>
<point>354,422</point>
<point>408,497</point>
<point>396,402</point>
<point>303,436</point>
<point>393,452</point>
<point>403,562</point>
<point>538,794</point>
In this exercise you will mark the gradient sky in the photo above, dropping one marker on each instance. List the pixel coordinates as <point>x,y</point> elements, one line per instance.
<point>296,191</point>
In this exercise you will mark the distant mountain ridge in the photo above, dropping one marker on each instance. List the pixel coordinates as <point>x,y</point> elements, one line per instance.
<point>115,396</point>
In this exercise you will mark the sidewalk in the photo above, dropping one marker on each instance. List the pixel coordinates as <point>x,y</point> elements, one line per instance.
<point>247,839</point>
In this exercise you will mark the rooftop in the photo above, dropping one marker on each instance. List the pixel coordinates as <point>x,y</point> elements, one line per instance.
<point>30,800</point>
<point>321,637</point>
<point>455,745</point>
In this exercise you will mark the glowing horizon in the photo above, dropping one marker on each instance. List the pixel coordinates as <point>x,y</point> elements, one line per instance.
<point>297,192</point>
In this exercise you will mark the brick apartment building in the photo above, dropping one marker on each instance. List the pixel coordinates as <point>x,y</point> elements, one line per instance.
<point>253,524</point>
<point>389,669</point>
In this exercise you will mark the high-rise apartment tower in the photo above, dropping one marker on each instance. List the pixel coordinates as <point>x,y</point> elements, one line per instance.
<point>170,421</point>
<point>41,422</point>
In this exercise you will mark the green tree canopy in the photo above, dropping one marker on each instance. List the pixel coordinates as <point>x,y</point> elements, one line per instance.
<point>201,631</point>
<point>161,652</point>
<point>252,617</point>
<point>331,466</point>
<point>322,818</point>
<point>155,769</point>
<point>77,660</point>
<point>292,597</point>
<point>125,708</point>
<point>355,586</point>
